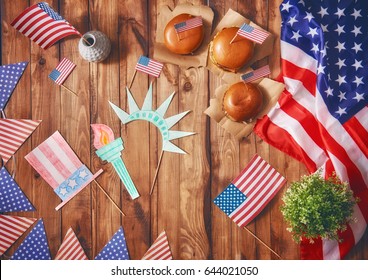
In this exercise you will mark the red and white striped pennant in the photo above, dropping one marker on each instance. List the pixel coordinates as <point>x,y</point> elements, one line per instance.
<point>71,248</point>
<point>160,249</point>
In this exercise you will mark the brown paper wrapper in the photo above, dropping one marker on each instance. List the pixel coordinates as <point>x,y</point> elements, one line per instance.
<point>271,91</point>
<point>231,19</point>
<point>199,57</point>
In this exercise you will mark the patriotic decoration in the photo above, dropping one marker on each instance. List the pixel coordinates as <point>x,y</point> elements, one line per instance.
<point>60,167</point>
<point>159,250</point>
<point>43,25</point>
<point>11,228</point>
<point>321,117</point>
<point>62,71</point>
<point>149,66</point>
<point>115,249</point>
<point>9,77</point>
<point>12,199</point>
<point>188,24</point>
<point>251,33</point>
<point>35,246</point>
<point>256,74</point>
<point>250,192</point>
<point>71,249</point>
<point>13,133</point>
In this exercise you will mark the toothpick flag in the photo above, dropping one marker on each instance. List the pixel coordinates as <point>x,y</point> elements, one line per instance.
<point>188,24</point>
<point>12,198</point>
<point>115,249</point>
<point>43,25</point>
<point>35,246</point>
<point>251,33</point>
<point>250,192</point>
<point>160,249</point>
<point>60,167</point>
<point>62,71</point>
<point>71,249</point>
<point>256,74</point>
<point>149,66</point>
<point>11,228</point>
<point>9,77</point>
<point>13,133</point>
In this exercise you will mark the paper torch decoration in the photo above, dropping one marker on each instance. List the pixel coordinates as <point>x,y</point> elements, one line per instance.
<point>60,167</point>
<point>109,149</point>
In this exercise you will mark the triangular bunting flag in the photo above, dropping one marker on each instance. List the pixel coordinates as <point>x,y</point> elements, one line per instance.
<point>160,249</point>
<point>116,249</point>
<point>11,228</point>
<point>9,77</point>
<point>13,133</point>
<point>12,198</point>
<point>71,249</point>
<point>35,246</point>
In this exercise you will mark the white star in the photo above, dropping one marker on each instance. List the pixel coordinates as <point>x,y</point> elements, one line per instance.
<point>357,47</point>
<point>315,48</point>
<point>324,27</point>
<point>340,46</point>
<point>309,16</point>
<point>72,183</point>
<point>340,29</point>
<point>296,35</point>
<point>292,20</point>
<point>339,12</point>
<point>356,14</point>
<point>329,92</point>
<point>341,63</point>
<point>358,80</point>
<point>312,32</point>
<point>320,69</point>
<point>341,111</point>
<point>358,96</point>
<point>63,191</point>
<point>341,80</point>
<point>83,174</point>
<point>301,2</point>
<point>286,7</point>
<point>356,31</point>
<point>323,51</point>
<point>323,12</point>
<point>357,64</point>
<point>342,95</point>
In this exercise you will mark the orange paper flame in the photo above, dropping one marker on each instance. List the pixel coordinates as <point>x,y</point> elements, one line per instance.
<point>103,135</point>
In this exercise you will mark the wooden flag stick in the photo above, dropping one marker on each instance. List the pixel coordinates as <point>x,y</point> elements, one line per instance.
<point>85,40</point>
<point>157,169</point>
<point>264,244</point>
<point>236,35</point>
<point>64,87</point>
<point>109,197</point>
<point>132,80</point>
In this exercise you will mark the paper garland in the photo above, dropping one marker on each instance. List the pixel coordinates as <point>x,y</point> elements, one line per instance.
<point>159,250</point>
<point>71,249</point>
<point>115,249</point>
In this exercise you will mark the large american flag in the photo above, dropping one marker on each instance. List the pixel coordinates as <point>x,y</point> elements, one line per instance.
<point>188,24</point>
<point>253,34</point>
<point>159,250</point>
<point>43,25</point>
<point>249,193</point>
<point>321,118</point>
<point>149,66</point>
<point>62,71</point>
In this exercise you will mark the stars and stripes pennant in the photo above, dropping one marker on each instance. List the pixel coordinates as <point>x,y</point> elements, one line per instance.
<point>43,25</point>
<point>256,74</point>
<point>62,71</point>
<point>13,133</point>
<point>60,167</point>
<point>12,198</point>
<point>11,228</point>
<point>253,34</point>
<point>70,248</point>
<point>188,24</point>
<point>250,192</point>
<point>149,66</point>
<point>115,249</point>
<point>159,250</point>
<point>9,77</point>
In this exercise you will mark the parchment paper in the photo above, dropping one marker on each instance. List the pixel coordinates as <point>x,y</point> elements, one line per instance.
<point>199,57</point>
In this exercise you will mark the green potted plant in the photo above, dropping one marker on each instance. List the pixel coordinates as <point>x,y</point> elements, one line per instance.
<point>314,207</point>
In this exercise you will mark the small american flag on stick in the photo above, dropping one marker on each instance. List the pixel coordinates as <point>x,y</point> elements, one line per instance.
<point>62,71</point>
<point>256,74</point>
<point>188,24</point>
<point>251,33</point>
<point>149,66</point>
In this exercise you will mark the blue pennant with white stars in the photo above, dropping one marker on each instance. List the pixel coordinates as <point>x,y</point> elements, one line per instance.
<point>116,249</point>
<point>335,33</point>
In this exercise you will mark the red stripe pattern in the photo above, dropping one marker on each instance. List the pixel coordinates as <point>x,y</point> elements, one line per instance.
<point>11,228</point>
<point>62,71</point>
<point>71,249</point>
<point>149,66</point>
<point>43,25</point>
<point>160,249</point>
<point>188,24</point>
<point>251,33</point>
<point>13,133</point>
<point>256,74</point>
<point>250,192</point>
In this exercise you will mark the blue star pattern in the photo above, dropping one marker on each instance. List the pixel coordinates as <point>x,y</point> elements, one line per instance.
<point>35,246</point>
<point>9,76</point>
<point>230,199</point>
<point>116,249</point>
<point>44,6</point>
<point>12,198</point>
<point>335,33</point>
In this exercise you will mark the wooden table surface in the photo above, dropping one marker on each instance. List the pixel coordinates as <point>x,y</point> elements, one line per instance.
<point>181,203</point>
